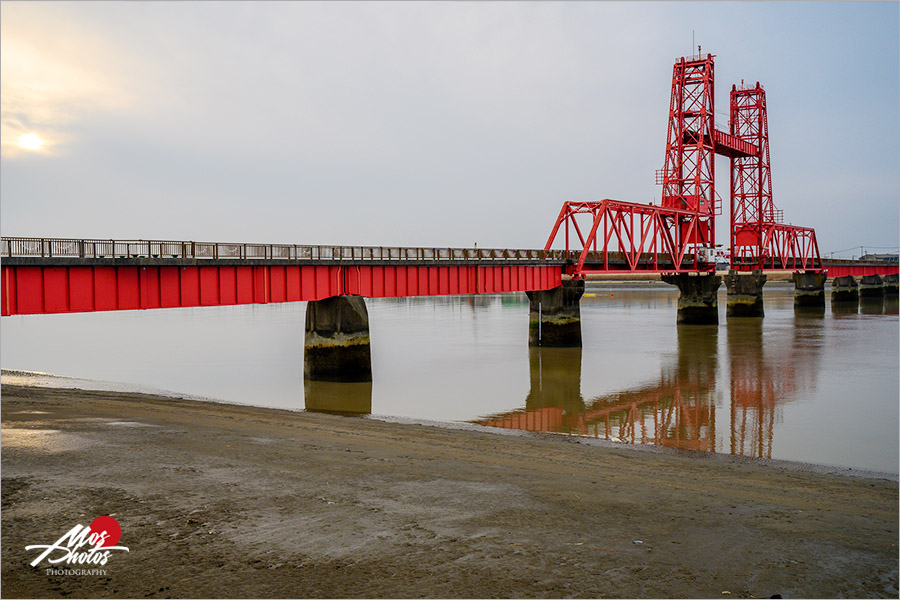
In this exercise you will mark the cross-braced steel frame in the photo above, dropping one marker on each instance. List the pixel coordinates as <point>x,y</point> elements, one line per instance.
<point>689,170</point>
<point>759,238</point>
<point>629,237</point>
<point>677,236</point>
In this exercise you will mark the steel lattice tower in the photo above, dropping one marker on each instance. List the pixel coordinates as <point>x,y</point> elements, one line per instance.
<point>759,238</point>
<point>752,209</point>
<point>689,170</point>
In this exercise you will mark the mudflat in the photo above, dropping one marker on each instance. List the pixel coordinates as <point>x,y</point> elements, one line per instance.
<point>218,500</point>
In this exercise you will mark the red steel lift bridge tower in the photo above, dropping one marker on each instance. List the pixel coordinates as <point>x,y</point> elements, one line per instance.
<point>679,235</point>
<point>759,237</point>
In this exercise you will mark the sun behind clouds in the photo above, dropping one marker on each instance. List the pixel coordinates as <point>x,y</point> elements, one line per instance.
<point>30,141</point>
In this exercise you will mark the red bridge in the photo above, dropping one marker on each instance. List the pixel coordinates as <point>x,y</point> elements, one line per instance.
<point>675,238</point>
<point>47,275</point>
<point>67,275</point>
<point>684,222</point>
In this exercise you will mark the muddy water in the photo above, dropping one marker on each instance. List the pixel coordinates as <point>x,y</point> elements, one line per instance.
<point>816,387</point>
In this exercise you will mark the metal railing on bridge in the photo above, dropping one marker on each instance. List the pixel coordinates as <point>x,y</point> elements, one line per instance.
<point>97,248</point>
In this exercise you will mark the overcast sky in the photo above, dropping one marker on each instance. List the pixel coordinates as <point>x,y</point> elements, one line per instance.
<point>434,124</point>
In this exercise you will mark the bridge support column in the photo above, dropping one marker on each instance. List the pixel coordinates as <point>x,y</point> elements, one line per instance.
<point>337,340</point>
<point>809,289</point>
<point>555,315</point>
<point>698,302</point>
<point>890,284</point>
<point>844,289</point>
<point>745,294</point>
<point>871,286</point>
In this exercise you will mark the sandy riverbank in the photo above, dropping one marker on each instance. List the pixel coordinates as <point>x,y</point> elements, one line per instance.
<point>232,501</point>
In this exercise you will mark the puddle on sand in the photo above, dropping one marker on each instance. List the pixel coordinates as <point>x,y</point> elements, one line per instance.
<point>43,440</point>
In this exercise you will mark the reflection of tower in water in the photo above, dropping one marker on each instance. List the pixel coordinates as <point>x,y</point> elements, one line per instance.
<point>555,395</point>
<point>677,411</point>
<point>767,369</point>
<point>765,376</point>
<point>751,390</point>
<point>689,419</point>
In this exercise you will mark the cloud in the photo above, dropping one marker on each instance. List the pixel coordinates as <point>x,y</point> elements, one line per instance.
<point>54,70</point>
<point>416,123</point>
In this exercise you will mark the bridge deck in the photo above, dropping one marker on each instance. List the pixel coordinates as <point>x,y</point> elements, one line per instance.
<point>168,251</point>
<point>42,275</point>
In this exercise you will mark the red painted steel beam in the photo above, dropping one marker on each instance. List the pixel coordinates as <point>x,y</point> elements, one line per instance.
<point>722,143</point>
<point>842,270</point>
<point>732,146</point>
<point>627,237</point>
<point>64,289</point>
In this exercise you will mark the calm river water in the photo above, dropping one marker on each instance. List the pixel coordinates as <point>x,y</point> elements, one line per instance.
<point>819,388</point>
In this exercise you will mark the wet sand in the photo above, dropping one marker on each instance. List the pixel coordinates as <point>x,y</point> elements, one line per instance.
<point>220,500</point>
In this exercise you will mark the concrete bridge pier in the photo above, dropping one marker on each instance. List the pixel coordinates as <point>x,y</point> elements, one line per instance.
<point>871,286</point>
<point>844,289</point>
<point>337,340</point>
<point>745,294</point>
<point>698,302</point>
<point>890,284</point>
<point>555,315</point>
<point>809,289</point>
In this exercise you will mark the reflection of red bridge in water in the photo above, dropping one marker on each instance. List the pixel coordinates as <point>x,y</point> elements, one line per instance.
<point>678,411</point>
<point>673,424</point>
